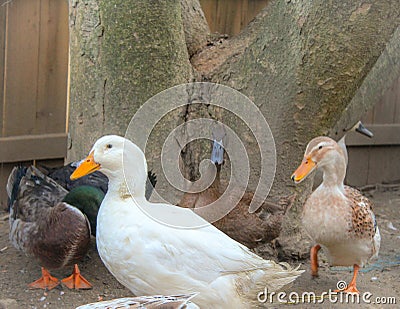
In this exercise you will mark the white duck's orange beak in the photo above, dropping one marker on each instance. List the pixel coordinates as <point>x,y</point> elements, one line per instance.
<point>86,167</point>
<point>305,168</point>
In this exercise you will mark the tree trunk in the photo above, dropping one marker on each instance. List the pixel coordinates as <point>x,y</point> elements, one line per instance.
<point>300,62</point>
<point>122,53</point>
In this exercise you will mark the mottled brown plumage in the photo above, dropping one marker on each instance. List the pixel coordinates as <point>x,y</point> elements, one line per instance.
<point>41,225</point>
<point>363,218</point>
<point>250,229</point>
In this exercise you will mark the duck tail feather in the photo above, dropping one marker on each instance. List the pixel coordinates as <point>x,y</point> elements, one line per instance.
<point>152,177</point>
<point>272,277</point>
<point>13,182</point>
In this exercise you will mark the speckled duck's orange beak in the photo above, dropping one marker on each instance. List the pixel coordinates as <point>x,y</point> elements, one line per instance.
<point>86,167</point>
<point>305,168</point>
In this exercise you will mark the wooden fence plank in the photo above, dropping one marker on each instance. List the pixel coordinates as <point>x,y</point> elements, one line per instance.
<point>209,12</point>
<point>357,169</point>
<point>53,66</point>
<point>384,110</point>
<point>224,12</point>
<point>21,67</point>
<point>230,16</point>
<point>33,147</point>
<point>239,16</point>
<point>396,100</point>
<point>3,31</point>
<point>369,116</point>
<point>383,166</point>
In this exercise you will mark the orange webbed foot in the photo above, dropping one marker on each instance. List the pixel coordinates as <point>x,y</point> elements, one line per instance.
<point>46,282</point>
<point>76,280</point>
<point>314,260</point>
<point>351,288</point>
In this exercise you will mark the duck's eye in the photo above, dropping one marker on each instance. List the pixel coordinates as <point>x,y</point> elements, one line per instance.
<point>108,146</point>
<point>320,147</point>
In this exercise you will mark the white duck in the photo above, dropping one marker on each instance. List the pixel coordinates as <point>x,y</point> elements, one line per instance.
<point>150,257</point>
<point>337,217</point>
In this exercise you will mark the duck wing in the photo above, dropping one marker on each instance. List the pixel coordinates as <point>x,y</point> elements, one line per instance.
<point>202,256</point>
<point>31,193</point>
<point>60,238</point>
<point>364,223</point>
<point>40,224</point>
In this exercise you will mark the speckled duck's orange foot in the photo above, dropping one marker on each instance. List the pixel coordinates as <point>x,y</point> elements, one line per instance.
<point>46,282</point>
<point>314,260</point>
<point>351,288</point>
<point>76,280</point>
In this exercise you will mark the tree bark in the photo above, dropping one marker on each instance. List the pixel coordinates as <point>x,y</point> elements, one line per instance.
<point>195,26</point>
<point>122,53</point>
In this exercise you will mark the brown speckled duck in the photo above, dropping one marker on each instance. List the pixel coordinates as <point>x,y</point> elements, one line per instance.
<point>45,226</point>
<point>250,229</point>
<point>337,217</point>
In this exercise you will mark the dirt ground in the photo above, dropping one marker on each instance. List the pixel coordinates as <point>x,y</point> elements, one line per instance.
<point>380,278</point>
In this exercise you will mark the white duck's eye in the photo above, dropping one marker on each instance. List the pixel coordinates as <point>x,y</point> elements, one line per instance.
<point>320,147</point>
<point>109,146</point>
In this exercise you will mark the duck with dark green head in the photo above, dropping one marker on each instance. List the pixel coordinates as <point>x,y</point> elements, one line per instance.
<point>51,224</point>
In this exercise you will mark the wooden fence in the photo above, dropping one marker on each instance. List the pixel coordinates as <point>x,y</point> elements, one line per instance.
<point>230,16</point>
<point>33,82</point>
<point>377,160</point>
